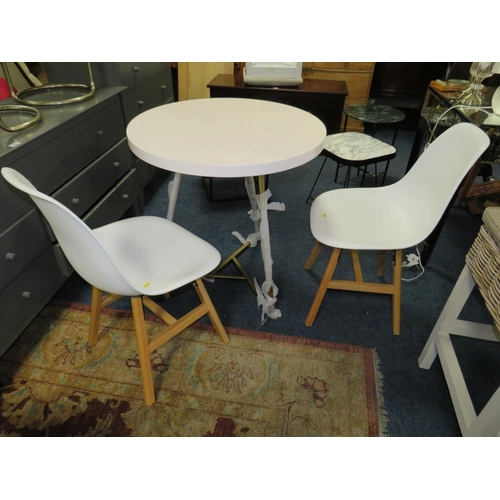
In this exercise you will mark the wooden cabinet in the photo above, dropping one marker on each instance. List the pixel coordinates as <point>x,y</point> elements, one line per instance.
<point>357,76</point>
<point>195,76</point>
<point>79,155</point>
<point>323,98</point>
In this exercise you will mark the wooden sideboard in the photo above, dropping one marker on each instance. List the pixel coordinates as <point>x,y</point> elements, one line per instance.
<point>357,76</point>
<point>324,99</point>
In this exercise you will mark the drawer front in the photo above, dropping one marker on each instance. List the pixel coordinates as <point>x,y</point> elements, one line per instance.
<point>20,244</point>
<point>90,184</point>
<point>26,296</point>
<point>166,86</point>
<point>90,139</point>
<point>135,74</point>
<point>346,66</point>
<point>117,201</point>
<point>45,167</point>
<point>358,84</point>
<point>145,171</point>
<point>139,100</point>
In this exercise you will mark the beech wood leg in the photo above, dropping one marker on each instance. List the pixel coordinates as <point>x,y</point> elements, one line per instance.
<point>314,255</point>
<point>356,265</point>
<point>396,298</point>
<point>381,263</point>
<point>95,314</point>
<point>212,313</point>
<point>143,348</point>
<point>330,269</point>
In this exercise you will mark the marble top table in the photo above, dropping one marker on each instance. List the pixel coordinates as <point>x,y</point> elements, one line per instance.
<point>375,114</point>
<point>229,137</point>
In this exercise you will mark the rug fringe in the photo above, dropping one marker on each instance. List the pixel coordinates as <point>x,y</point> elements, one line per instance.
<point>379,384</point>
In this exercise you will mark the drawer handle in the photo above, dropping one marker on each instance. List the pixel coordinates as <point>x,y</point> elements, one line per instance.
<point>136,69</point>
<point>26,295</point>
<point>100,133</point>
<point>116,164</point>
<point>75,201</point>
<point>140,103</point>
<point>10,256</point>
<point>125,196</point>
<point>163,87</point>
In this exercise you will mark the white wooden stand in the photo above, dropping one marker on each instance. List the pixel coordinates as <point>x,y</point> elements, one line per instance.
<point>487,423</point>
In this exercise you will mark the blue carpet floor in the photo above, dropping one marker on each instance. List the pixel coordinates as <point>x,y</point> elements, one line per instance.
<point>417,401</point>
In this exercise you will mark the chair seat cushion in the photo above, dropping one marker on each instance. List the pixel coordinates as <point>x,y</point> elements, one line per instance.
<point>357,148</point>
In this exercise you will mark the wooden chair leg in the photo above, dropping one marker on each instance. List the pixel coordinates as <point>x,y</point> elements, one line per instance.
<point>330,269</point>
<point>212,312</point>
<point>143,348</point>
<point>95,314</point>
<point>396,298</point>
<point>314,255</point>
<point>381,263</point>
<point>356,266</point>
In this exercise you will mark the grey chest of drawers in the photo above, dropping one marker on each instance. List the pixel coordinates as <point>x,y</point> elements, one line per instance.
<point>148,84</point>
<point>78,154</point>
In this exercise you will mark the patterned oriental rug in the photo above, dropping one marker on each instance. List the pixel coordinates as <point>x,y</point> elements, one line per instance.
<point>260,384</point>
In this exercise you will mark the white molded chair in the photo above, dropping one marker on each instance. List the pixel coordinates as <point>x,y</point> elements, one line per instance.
<point>392,217</point>
<point>137,257</point>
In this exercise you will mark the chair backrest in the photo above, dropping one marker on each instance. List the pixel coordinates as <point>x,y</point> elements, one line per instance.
<point>82,247</point>
<point>429,186</point>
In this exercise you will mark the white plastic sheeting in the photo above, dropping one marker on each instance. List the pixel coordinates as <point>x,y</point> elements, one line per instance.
<point>267,293</point>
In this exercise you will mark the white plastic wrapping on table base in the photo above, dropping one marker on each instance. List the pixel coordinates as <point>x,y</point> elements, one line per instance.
<point>173,191</point>
<point>254,213</point>
<point>267,294</point>
<point>266,301</point>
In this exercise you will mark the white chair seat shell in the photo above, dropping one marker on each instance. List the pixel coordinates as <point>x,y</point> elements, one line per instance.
<point>405,213</point>
<point>176,257</point>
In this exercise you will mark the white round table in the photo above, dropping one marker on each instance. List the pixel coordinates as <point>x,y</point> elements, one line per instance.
<point>226,137</point>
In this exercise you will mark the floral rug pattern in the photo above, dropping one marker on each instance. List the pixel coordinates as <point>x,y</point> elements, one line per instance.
<point>260,384</point>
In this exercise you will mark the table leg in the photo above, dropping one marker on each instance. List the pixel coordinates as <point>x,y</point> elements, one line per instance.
<point>250,241</point>
<point>268,292</point>
<point>173,191</point>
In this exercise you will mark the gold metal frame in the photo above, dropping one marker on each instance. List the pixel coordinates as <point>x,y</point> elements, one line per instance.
<point>20,96</point>
<point>233,257</point>
<point>23,109</point>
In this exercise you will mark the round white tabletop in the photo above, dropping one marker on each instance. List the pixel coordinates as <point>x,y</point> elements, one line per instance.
<point>226,137</point>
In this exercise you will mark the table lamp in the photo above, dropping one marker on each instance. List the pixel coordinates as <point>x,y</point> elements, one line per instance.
<point>472,95</point>
<point>495,101</point>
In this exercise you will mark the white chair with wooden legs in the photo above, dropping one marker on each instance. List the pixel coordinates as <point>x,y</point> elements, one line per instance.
<point>394,217</point>
<point>138,257</point>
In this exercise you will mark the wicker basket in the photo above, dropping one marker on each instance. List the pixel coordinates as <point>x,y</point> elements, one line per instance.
<point>483,260</point>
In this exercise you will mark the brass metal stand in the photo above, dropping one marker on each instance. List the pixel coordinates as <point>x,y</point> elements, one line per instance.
<point>20,96</point>
<point>15,108</point>
<point>234,256</point>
